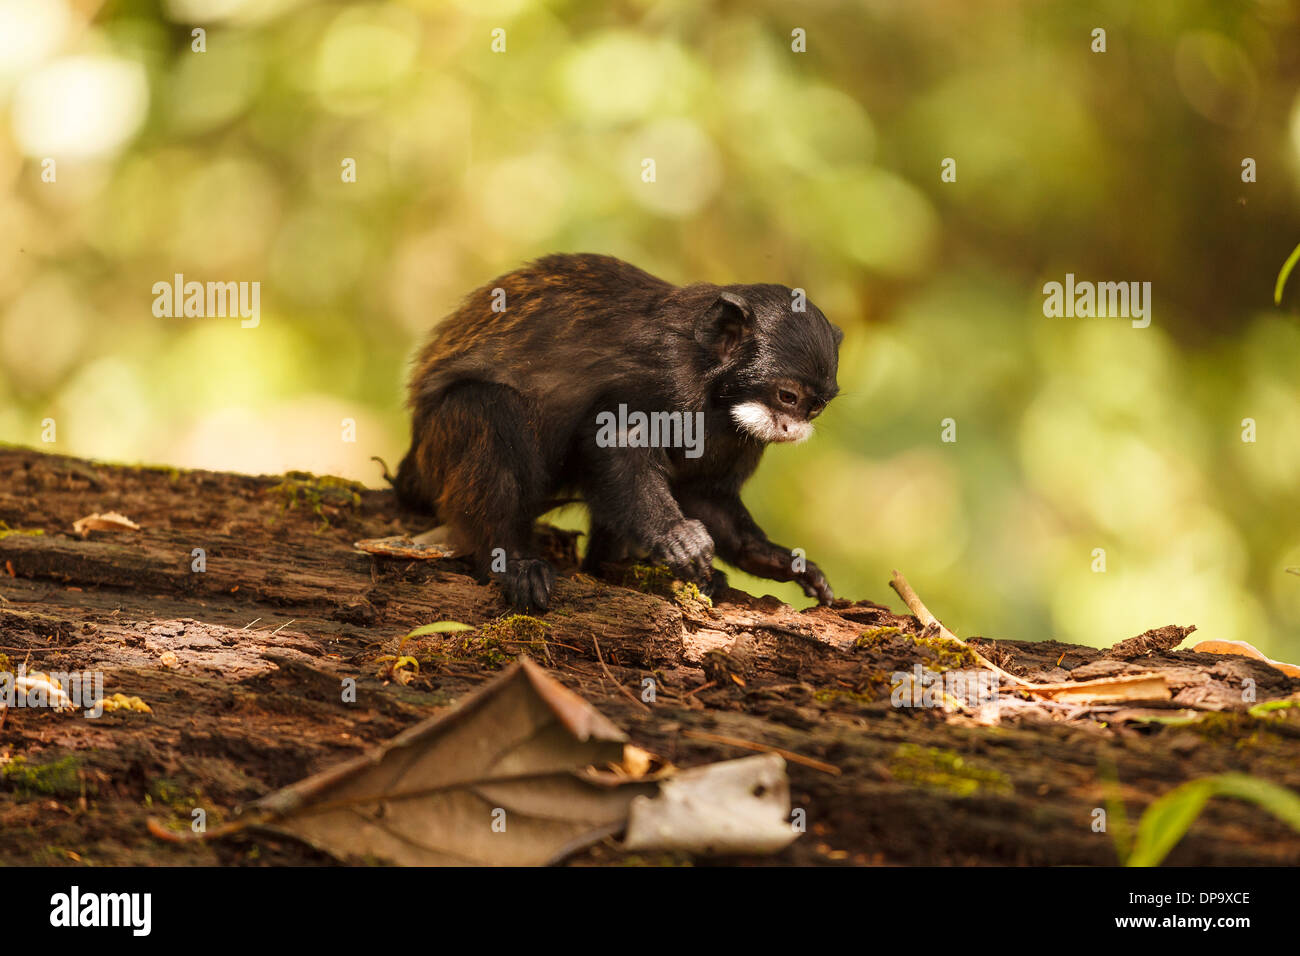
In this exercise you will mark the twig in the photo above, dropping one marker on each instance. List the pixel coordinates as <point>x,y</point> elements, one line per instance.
<point>789,755</point>
<point>929,621</point>
<point>621,689</point>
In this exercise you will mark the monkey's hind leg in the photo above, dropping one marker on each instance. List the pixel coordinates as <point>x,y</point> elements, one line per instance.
<point>486,463</point>
<point>604,546</point>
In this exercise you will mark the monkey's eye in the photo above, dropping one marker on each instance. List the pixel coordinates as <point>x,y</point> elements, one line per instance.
<point>787,397</point>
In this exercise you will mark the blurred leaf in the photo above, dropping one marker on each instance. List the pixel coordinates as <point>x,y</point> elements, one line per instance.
<point>439,627</point>
<point>1284,274</point>
<point>1169,818</point>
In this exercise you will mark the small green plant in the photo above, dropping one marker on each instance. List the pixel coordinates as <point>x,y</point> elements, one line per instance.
<point>1169,818</point>
<point>402,667</point>
<point>437,627</point>
<point>1264,708</point>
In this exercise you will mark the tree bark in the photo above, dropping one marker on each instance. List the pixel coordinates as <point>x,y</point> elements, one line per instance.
<point>242,664</point>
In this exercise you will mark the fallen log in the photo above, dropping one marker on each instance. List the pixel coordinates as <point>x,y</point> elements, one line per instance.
<point>240,607</point>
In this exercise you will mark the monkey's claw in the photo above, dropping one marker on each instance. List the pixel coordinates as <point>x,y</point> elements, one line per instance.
<point>526,584</point>
<point>716,585</point>
<point>687,549</point>
<point>814,584</point>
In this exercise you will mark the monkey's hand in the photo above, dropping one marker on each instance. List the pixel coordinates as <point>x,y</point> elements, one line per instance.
<point>686,548</point>
<point>527,584</point>
<point>814,583</point>
<point>761,557</point>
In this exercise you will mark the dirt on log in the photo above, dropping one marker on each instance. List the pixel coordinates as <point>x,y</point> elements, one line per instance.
<point>241,665</point>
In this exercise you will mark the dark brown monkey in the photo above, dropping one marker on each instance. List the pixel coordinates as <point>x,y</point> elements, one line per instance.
<point>512,407</point>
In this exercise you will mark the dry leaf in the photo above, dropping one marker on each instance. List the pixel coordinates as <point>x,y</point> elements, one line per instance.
<point>737,806</point>
<point>108,521</point>
<point>1151,686</point>
<point>1245,650</point>
<point>500,780</point>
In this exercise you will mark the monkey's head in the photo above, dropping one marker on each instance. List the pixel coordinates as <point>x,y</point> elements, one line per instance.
<point>777,358</point>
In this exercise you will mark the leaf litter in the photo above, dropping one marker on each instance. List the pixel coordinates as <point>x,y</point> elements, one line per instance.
<point>524,772</point>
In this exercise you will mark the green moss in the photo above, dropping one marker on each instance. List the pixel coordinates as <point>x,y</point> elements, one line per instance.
<point>6,531</point>
<point>688,594</point>
<point>58,778</point>
<point>829,695</point>
<point>317,493</point>
<point>164,791</point>
<point>1242,730</point>
<point>944,771</point>
<point>169,793</point>
<point>939,653</point>
<point>517,627</point>
<point>649,578</point>
<point>494,644</point>
<point>875,635</point>
<point>653,579</point>
<point>6,665</point>
<point>944,655</point>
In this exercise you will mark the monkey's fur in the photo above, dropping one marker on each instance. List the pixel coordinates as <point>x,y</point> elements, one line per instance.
<point>505,407</point>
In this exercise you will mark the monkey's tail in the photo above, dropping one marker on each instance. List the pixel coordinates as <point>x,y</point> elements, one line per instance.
<point>384,465</point>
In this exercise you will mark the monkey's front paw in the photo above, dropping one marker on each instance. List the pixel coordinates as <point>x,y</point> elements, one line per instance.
<point>814,584</point>
<point>526,584</point>
<point>715,586</point>
<point>687,549</point>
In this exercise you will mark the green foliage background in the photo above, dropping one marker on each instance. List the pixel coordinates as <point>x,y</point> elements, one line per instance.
<point>817,169</point>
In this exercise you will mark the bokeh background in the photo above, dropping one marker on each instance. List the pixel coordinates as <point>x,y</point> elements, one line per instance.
<point>818,169</point>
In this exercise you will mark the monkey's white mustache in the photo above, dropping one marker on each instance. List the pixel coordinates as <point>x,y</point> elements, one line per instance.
<point>768,426</point>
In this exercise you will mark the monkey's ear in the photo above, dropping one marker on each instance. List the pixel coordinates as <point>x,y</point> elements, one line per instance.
<point>837,334</point>
<point>727,324</point>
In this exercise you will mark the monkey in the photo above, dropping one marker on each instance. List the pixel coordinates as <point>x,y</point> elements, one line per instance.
<point>507,398</point>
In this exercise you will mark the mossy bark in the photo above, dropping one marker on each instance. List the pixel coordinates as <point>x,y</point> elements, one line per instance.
<point>244,665</point>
